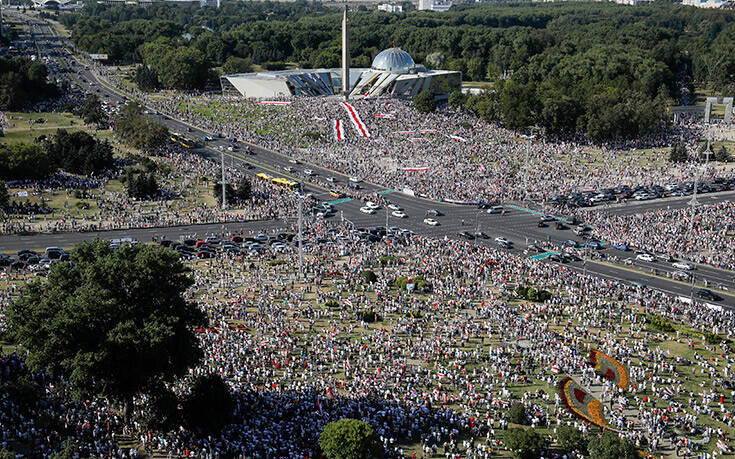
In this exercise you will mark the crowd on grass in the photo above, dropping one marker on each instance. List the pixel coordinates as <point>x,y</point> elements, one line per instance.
<point>444,155</point>
<point>433,371</point>
<point>183,176</point>
<point>710,239</point>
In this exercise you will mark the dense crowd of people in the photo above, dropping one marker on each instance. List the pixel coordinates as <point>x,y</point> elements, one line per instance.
<point>437,371</point>
<point>671,231</point>
<point>444,155</point>
<point>179,203</point>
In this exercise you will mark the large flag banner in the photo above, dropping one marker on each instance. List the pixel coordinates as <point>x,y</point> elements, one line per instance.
<point>581,403</point>
<point>415,169</point>
<point>610,369</point>
<point>385,115</point>
<point>360,127</point>
<point>457,138</point>
<point>338,130</point>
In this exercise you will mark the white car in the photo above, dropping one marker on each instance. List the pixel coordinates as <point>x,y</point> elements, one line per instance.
<point>288,168</point>
<point>354,180</point>
<point>645,257</point>
<point>392,206</point>
<point>372,205</point>
<point>431,222</point>
<point>681,275</point>
<point>293,161</point>
<point>308,172</point>
<point>683,265</point>
<point>502,239</point>
<point>399,214</point>
<point>495,210</point>
<point>367,210</point>
<point>330,179</point>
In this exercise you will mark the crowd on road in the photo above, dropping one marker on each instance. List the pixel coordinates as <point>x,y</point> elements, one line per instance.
<point>436,372</point>
<point>710,239</point>
<point>442,155</point>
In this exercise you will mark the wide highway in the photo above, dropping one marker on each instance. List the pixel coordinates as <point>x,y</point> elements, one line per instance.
<point>518,224</point>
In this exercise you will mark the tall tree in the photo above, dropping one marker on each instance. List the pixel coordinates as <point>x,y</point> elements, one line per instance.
<point>91,111</point>
<point>112,323</point>
<point>610,446</point>
<point>350,439</point>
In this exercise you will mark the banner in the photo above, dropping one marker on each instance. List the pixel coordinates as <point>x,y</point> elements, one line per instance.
<point>610,369</point>
<point>274,102</point>
<point>581,403</point>
<point>457,138</point>
<point>338,130</point>
<point>98,57</point>
<point>360,127</point>
<point>385,115</point>
<point>415,169</point>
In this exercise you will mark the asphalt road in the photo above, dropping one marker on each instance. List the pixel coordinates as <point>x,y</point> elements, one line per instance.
<point>518,225</point>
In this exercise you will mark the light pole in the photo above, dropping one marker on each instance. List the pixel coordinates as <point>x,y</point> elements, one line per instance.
<point>525,166</point>
<point>224,202</point>
<point>301,240</point>
<point>477,222</point>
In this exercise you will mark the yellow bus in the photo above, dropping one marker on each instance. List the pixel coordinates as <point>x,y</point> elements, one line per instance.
<point>285,183</point>
<point>264,177</point>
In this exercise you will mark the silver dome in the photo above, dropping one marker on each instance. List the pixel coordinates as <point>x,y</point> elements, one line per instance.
<point>393,60</point>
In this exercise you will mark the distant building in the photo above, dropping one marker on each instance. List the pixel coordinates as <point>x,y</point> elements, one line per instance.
<point>705,3</point>
<point>435,5</point>
<point>631,2</point>
<point>393,73</point>
<point>390,8</point>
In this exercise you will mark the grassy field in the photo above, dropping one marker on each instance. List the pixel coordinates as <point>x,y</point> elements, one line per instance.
<point>26,127</point>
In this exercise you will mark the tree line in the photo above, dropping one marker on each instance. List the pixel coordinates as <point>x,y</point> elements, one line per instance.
<point>22,82</point>
<point>598,69</point>
<point>74,152</point>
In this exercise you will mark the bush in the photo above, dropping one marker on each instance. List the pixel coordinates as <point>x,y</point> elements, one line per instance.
<point>711,338</point>
<point>332,304</point>
<point>658,324</point>
<point>524,443</point>
<point>610,446</point>
<point>570,439</point>
<point>517,414</point>
<point>533,293</point>
<point>368,316</point>
<point>400,283</point>
<point>386,259</point>
<point>350,439</point>
<point>276,262</point>
<point>369,276</point>
<point>422,286</point>
<point>424,102</point>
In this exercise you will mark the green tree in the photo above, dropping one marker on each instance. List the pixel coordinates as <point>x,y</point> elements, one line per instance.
<point>369,276</point>
<point>138,130</point>
<point>24,161</point>
<point>235,64</point>
<point>722,155</point>
<point>209,407</point>
<point>91,111</point>
<point>425,102</point>
<point>610,446</point>
<point>457,99</point>
<point>350,439</point>
<point>517,413</point>
<point>112,323</point>
<point>244,190</point>
<point>146,79</point>
<point>229,193</point>
<point>570,439</point>
<point>436,61</point>
<point>4,196</point>
<point>524,443</point>
<point>678,153</point>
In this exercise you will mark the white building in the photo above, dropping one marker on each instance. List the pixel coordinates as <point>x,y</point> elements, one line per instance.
<point>390,8</point>
<point>393,72</point>
<point>705,3</point>
<point>435,5</point>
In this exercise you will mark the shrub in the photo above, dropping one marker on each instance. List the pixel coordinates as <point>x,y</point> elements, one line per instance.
<point>517,414</point>
<point>400,283</point>
<point>369,276</point>
<point>524,443</point>
<point>368,316</point>
<point>276,262</point>
<point>332,304</point>
<point>712,338</point>
<point>658,324</point>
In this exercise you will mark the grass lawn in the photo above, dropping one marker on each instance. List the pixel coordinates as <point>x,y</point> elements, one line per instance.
<point>478,84</point>
<point>26,127</point>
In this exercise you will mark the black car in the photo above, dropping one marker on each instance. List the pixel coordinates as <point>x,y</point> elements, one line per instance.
<point>467,235</point>
<point>557,258</point>
<point>561,226</point>
<point>708,295</point>
<point>541,224</point>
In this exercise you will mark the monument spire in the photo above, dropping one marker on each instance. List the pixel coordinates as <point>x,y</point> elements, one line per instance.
<point>346,55</point>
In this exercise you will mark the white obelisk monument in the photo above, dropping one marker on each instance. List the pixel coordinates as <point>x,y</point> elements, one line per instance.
<point>346,55</point>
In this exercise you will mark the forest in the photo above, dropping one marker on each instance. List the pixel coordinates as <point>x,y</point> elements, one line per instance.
<point>559,65</point>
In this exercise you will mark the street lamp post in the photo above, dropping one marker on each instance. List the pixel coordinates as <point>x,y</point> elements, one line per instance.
<point>525,166</point>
